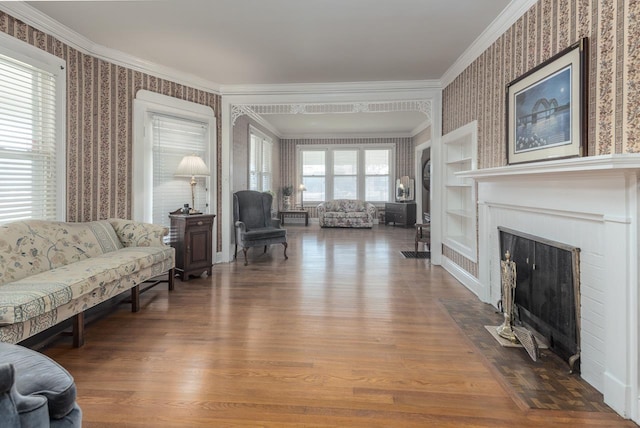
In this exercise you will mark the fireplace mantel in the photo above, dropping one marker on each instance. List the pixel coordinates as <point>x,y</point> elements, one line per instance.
<point>591,203</point>
<point>587,164</point>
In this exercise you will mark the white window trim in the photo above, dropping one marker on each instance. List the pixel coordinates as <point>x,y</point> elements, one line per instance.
<point>23,51</point>
<point>329,150</point>
<point>266,141</point>
<point>144,105</point>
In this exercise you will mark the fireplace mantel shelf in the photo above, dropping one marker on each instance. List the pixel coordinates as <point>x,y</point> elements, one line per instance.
<point>588,164</point>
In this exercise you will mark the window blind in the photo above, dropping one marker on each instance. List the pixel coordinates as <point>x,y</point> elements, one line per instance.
<point>28,171</point>
<point>173,138</point>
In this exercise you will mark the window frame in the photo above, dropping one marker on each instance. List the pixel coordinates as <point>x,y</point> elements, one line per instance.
<point>38,58</point>
<point>145,105</point>
<point>330,149</point>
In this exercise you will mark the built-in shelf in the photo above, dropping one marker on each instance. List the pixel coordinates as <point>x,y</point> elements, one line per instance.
<point>459,210</point>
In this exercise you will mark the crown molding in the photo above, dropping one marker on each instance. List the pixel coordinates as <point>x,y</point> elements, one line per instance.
<point>421,127</point>
<point>334,88</point>
<point>33,17</point>
<point>514,10</point>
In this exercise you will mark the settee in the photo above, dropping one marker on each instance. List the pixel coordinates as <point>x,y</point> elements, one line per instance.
<point>346,213</point>
<point>52,271</point>
<point>35,391</point>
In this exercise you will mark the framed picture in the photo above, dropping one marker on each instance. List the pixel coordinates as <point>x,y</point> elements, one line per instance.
<point>546,109</point>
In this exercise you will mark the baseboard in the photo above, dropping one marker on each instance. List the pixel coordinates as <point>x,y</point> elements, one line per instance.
<point>464,277</point>
<point>617,395</point>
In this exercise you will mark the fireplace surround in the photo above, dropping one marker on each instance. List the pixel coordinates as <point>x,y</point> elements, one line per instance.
<point>591,203</point>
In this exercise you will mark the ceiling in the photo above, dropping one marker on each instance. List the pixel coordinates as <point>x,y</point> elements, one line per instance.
<point>274,42</point>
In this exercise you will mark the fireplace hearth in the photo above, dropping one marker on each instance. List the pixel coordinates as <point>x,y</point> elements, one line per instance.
<point>547,293</point>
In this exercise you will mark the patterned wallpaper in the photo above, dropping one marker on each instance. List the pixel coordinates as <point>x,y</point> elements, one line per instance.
<point>547,28</point>
<point>404,157</point>
<point>99,125</point>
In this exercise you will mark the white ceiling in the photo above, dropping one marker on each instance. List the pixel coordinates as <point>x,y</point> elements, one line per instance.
<point>260,42</point>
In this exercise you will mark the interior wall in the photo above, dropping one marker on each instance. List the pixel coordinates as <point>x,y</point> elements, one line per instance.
<point>99,125</point>
<point>613,30</point>
<point>240,176</point>
<point>404,162</point>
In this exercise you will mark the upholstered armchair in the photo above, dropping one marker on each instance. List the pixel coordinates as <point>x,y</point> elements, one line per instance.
<point>253,222</point>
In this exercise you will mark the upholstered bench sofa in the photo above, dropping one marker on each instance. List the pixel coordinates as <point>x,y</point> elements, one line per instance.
<point>346,213</point>
<point>52,271</point>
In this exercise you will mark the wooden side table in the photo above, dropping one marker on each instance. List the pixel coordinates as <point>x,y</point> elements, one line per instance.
<point>295,214</point>
<point>192,236</point>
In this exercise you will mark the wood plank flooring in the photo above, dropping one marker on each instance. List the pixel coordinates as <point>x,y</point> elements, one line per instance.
<point>346,333</point>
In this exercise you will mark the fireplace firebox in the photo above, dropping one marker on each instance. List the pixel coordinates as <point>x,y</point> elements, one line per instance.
<point>547,295</point>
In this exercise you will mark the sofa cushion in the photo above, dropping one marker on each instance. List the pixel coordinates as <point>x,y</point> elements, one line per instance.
<point>33,296</point>
<point>37,374</point>
<point>33,246</point>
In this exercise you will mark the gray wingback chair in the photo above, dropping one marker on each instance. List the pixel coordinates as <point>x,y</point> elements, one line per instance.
<point>253,222</point>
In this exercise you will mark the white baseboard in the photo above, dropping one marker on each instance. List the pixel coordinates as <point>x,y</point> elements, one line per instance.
<point>464,277</point>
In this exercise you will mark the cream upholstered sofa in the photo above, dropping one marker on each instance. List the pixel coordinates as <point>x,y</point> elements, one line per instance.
<point>346,213</point>
<point>52,271</point>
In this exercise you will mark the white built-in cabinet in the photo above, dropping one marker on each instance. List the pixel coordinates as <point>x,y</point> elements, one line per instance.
<point>459,208</point>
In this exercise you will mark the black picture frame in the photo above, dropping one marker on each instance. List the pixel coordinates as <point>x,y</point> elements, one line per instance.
<point>547,109</point>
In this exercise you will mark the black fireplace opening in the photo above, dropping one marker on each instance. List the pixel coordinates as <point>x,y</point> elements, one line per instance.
<point>547,295</point>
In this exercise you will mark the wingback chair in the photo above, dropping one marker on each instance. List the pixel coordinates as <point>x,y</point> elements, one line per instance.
<point>253,222</point>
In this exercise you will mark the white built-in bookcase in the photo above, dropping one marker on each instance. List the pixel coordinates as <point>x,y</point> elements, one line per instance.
<point>459,210</point>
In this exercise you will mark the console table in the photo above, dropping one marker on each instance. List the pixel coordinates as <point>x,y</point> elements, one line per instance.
<point>403,213</point>
<point>295,214</point>
<point>192,236</point>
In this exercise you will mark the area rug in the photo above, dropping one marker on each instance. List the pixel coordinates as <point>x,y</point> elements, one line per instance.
<point>545,384</point>
<point>416,254</point>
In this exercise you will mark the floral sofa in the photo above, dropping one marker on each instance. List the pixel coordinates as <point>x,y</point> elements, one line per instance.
<point>346,213</point>
<point>51,271</point>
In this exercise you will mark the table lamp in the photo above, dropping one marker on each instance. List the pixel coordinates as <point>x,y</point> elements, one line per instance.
<point>192,166</point>
<point>302,188</point>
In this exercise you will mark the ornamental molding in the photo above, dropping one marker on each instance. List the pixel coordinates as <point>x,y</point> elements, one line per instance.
<point>255,111</point>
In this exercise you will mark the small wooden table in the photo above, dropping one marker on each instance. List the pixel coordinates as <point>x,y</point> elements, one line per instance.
<point>295,214</point>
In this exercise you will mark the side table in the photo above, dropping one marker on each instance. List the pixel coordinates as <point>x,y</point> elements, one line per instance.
<point>192,236</point>
<point>295,214</point>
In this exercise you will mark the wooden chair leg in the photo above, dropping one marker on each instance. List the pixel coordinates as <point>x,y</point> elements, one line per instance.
<point>285,250</point>
<point>235,255</point>
<point>265,248</point>
<point>78,330</point>
<point>244,250</point>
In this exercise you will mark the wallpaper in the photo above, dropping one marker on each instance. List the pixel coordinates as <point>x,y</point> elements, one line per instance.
<point>99,125</point>
<point>613,100</point>
<point>404,162</point>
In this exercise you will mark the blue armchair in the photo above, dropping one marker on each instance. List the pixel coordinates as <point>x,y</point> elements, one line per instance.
<point>253,222</point>
<point>35,391</point>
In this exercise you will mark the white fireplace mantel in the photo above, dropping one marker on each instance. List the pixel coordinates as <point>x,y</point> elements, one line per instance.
<point>591,203</point>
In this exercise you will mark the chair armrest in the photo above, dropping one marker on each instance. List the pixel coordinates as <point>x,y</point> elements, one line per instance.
<point>137,234</point>
<point>241,226</point>
<point>371,210</point>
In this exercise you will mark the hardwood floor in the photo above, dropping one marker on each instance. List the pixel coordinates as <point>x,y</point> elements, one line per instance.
<point>346,333</point>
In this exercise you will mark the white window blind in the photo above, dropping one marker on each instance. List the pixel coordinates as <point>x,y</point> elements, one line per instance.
<point>260,153</point>
<point>173,138</point>
<point>29,173</point>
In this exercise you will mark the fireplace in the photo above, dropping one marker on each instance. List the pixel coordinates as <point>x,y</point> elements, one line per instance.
<point>591,203</point>
<point>547,294</point>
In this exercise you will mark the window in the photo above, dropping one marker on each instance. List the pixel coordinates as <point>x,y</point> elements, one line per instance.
<point>345,174</point>
<point>32,150</point>
<point>260,153</point>
<point>354,173</point>
<point>165,130</point>
<point>173,138</point>
<point>313,175</point>
<point>377,165</point>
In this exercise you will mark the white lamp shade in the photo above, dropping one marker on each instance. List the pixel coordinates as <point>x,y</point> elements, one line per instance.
<point>302,188</point>
<point>192,166</point>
